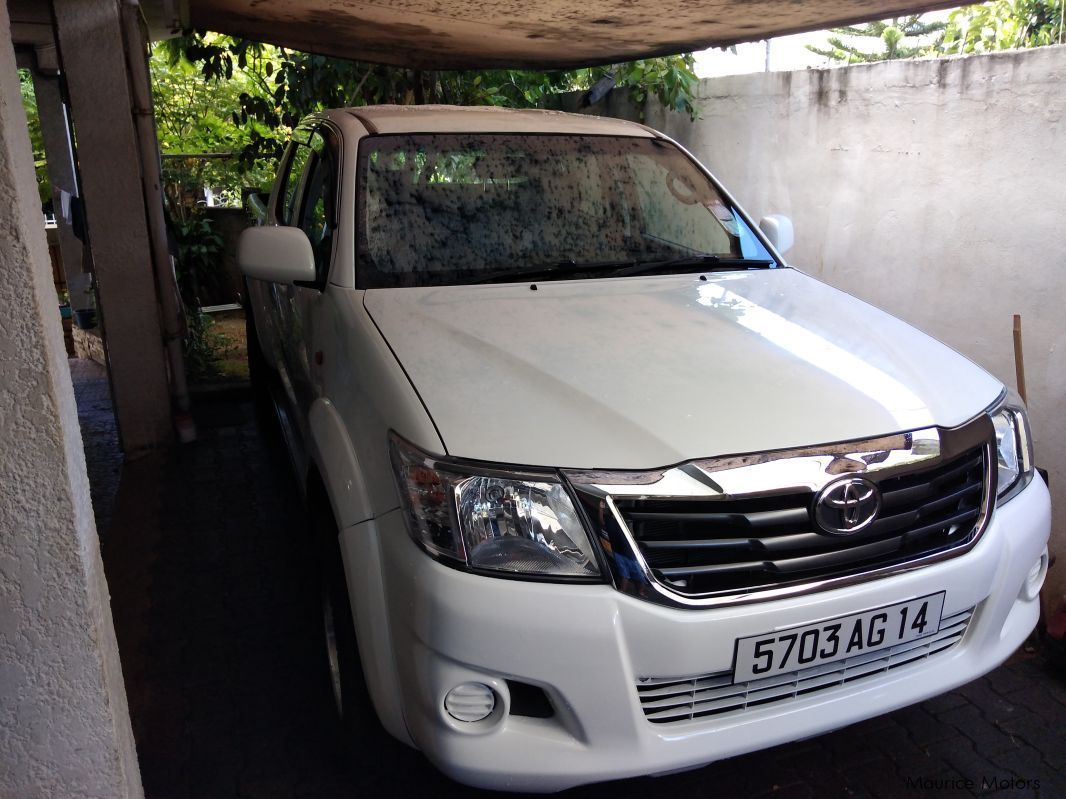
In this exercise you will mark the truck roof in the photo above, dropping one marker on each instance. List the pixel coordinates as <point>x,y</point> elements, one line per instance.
<point>387,119</point>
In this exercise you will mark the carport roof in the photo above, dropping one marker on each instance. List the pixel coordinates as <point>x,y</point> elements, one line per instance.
<point>447,34</point>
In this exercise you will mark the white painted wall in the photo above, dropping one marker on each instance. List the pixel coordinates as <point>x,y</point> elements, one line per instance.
<point>935,189</point>
<point>64,724</point>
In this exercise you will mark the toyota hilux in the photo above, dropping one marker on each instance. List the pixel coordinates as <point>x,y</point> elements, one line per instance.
<point>603,486</point>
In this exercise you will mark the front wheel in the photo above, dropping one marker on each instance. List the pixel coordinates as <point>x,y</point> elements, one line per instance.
<point>350,698</point>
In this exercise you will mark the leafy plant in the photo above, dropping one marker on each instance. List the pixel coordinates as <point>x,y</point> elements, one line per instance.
<point>33,122</point>
<point>198,257</point>
<point>671,80</point>
<point>983,28</point>
<point>201,345</point>
<point>200,143</point>
<point>199,253</point>
<point>1004,25</point>
<point>271,89</point>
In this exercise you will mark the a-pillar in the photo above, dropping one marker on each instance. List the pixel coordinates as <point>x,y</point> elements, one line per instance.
<point>64,724</point>
<point>92,57</point>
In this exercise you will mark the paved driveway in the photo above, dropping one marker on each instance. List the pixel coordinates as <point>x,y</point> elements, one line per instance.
<point>215,607</point>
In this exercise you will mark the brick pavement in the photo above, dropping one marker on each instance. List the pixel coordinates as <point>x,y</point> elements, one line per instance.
<point>103,458</point>
<point>216,611</point>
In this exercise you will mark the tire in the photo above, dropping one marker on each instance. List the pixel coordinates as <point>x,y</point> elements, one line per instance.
<point>351,701</point>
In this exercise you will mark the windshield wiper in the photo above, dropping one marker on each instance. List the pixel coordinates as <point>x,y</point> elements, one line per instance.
<point>559,269</point>
<point>700,263</point>
<point>547,271</point>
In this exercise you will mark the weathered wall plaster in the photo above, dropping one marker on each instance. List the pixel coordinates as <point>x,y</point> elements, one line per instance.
<point>931,188</point>
<point>64,724</point>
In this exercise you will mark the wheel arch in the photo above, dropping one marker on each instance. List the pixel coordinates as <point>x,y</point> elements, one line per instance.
<point>335,465</point>
<point>333,476</point>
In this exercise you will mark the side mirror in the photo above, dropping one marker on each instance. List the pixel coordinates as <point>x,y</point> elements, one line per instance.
<point>778,229</point>
<point>277,255</point>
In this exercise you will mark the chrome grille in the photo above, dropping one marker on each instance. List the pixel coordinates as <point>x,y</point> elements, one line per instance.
<point>671,700</point>
<point>702,546</point>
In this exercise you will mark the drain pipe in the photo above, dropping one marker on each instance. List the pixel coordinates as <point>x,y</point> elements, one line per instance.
<point>166,283</point>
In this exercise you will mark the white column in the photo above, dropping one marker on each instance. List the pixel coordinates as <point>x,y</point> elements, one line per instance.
<point>64,723</point>
<point>92,55</point>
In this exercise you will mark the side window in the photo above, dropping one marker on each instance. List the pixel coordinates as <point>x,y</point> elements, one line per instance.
<point>298,154</point>
<point>318,217</point>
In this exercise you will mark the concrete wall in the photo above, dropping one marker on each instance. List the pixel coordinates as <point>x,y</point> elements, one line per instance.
<point>931,188</point>
<point>64,725</point>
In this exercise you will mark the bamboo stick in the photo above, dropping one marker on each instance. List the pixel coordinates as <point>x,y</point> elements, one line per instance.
<point>1019,359</point>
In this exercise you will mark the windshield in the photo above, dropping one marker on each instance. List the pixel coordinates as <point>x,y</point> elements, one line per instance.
<point>437,209</point>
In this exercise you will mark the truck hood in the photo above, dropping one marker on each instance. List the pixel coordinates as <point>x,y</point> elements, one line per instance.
<point>643,372</point>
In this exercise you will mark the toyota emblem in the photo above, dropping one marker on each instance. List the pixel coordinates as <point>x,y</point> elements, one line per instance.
<point>846,506</point>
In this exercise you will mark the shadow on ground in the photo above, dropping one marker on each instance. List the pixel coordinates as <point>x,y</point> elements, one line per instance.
<point>103,457</point>
<point>215,605</point>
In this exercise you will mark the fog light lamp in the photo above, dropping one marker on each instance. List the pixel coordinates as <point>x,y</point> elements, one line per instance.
<point>471,701</point>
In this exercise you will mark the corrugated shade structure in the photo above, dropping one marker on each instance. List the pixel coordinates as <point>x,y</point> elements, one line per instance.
<point>548,34</point>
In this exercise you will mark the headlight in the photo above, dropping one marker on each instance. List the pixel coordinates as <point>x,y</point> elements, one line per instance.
<point>492,520</point>
<point>1014,449</point>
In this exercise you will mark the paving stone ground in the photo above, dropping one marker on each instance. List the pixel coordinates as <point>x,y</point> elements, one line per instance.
<point>215,606</point>
<point>97,421</point>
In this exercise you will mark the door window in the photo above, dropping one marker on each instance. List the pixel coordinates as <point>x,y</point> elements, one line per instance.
<point>318,218</point>
<point>299,153</point>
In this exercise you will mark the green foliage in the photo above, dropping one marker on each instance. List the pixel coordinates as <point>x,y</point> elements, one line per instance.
<point>33,122</point>
<point>202,345</point>
<point>193,120</point>
<point>895,38</point>
<point>1004,25</point>
<point>268,89</point>
<point>199,255</point>
<point>671,80</point>
<point>984,28</point>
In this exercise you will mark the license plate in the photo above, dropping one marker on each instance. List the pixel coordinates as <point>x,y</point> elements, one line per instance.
<point>795,648</point>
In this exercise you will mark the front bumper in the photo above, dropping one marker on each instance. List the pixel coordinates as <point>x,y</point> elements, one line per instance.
<point>586,646</point>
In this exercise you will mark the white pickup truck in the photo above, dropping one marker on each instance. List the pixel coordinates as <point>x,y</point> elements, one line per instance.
<point>602,486</point>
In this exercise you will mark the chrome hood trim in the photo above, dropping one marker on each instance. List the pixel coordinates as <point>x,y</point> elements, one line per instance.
<point>808,469</point>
